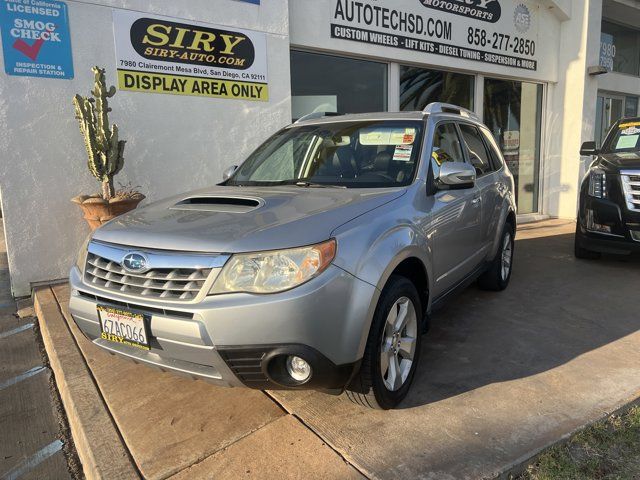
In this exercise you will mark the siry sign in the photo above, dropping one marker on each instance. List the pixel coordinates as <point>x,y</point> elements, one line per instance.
<point>163,55</point>
<point>487,10</point>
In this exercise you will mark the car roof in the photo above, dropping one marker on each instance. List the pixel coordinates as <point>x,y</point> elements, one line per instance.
<point>352,117</point>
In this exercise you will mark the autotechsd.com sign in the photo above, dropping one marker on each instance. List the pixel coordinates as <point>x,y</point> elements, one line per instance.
<point>501,32</point>
<point>165,55</point>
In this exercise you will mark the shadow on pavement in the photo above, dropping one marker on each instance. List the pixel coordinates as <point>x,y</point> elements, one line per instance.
<point>555,309</point>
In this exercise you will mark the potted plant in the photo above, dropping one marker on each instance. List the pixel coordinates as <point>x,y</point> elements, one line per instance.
<point>104,153</point>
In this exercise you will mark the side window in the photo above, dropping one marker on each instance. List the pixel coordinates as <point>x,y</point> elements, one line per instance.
<point>446,145</point>
<point>478,155</point>
<point>494,150</point>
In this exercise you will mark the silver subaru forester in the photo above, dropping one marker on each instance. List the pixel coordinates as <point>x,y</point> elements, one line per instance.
<point>315,264</point>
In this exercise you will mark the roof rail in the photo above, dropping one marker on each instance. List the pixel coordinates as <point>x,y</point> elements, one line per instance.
<point>438,107</point>
<point>312,115</point>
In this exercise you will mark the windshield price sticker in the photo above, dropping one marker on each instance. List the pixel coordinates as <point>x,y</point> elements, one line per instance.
<point>402,153</point>
<point>487,31</point>
<point>164,55</point>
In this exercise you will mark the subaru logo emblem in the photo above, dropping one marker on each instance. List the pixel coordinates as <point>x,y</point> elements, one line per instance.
<point>135,262</point>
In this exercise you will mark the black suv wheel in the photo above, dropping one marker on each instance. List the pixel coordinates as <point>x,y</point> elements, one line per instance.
<point>393,348</point>
<point>499,273</point>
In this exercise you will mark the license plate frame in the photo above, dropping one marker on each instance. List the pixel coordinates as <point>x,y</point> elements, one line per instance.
<point>114,322</point>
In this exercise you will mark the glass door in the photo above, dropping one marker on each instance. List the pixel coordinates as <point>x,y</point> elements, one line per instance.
<point>609,109</point>
<point>513,113</point>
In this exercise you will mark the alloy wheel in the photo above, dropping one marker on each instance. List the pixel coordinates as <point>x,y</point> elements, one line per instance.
<point>507,256</point>
<point>398,343</point>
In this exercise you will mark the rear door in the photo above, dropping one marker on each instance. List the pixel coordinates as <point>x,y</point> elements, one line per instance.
<point>487,182</point>
<point>456,215</point>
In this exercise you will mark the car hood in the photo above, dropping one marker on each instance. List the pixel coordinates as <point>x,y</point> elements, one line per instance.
<point>243,219</point>
<point>620,161</point>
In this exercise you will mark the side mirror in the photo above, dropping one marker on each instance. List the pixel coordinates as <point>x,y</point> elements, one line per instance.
<point>228,172</point>
<point>588,148</point>
<point>457,175</point>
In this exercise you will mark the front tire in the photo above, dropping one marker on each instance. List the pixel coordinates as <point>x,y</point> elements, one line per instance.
<point>497,277</point>
<point>393,348</point>
<point>579,251</point>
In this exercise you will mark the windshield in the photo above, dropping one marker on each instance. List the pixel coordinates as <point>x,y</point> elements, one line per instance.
<point>365,154</point>
<point>624,138</point>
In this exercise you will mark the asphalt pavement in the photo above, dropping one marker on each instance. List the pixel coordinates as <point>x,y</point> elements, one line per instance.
<point>32,426</point>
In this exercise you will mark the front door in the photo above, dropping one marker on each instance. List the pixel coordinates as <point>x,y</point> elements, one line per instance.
<point>456,216</point>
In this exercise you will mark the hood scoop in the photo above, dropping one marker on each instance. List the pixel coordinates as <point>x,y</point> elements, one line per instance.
<point>219,204</point>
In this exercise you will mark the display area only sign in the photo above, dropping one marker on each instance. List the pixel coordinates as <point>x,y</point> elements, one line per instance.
<point>35,38</point>
<point>165,55</point>
<point>500,32</point>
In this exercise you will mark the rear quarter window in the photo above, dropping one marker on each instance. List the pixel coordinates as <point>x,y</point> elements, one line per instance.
<point>496,156</point>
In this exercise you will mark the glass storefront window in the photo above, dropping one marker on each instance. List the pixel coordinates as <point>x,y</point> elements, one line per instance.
<point>513,111</point>
<point>631,106</point>
<point>420,86</point>
<point>327,83</point>
<point>626,47</point>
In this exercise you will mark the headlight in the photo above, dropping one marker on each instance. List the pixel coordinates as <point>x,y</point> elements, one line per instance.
<point>81,260</point>
<point>597,183</point>
<point>274,271</point>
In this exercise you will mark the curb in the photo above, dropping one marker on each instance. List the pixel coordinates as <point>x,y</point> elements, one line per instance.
<point>100,448</point>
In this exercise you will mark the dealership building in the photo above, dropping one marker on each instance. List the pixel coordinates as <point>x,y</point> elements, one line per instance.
<point>201,83</point>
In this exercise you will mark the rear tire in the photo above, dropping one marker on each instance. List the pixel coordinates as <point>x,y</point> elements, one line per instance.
<point>497,277</point>
<point>579,251</point>
<point>393,348</point>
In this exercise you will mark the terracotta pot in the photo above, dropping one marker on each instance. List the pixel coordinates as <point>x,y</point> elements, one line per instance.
<point>98,211</point>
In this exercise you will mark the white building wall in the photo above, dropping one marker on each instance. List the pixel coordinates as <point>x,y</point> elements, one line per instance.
<point>570,113</point>
<point>620,83</point>
<point>174,143</point>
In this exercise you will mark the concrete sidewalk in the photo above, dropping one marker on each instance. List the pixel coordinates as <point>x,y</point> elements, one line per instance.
<point>502,376</point>
<point>156,425</point>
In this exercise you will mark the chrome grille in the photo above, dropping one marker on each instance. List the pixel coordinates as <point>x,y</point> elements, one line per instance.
<point>631,188</point>
<point>172,276</point>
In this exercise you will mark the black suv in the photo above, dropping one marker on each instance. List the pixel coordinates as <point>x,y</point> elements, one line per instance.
<point>609,213</point>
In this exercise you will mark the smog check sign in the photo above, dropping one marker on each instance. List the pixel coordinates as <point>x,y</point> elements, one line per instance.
<point>35,38</point>
<point>157,54</point>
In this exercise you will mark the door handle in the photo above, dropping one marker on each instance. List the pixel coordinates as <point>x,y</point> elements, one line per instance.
<point>475,201</point>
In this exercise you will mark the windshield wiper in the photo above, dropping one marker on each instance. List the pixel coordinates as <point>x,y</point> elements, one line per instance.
<point>317,185</point>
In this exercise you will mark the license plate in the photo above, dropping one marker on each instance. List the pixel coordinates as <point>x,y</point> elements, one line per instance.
<point>122,326</point>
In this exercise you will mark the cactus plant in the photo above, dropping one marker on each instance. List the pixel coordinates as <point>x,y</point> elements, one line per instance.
<point>104,149</point>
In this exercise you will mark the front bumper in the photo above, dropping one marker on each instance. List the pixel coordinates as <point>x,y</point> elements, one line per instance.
<point>243,339</point>
<point>624,237</point>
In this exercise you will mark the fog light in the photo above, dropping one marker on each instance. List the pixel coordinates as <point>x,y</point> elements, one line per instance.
<point>298,368</point>
<point>592,226</point>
